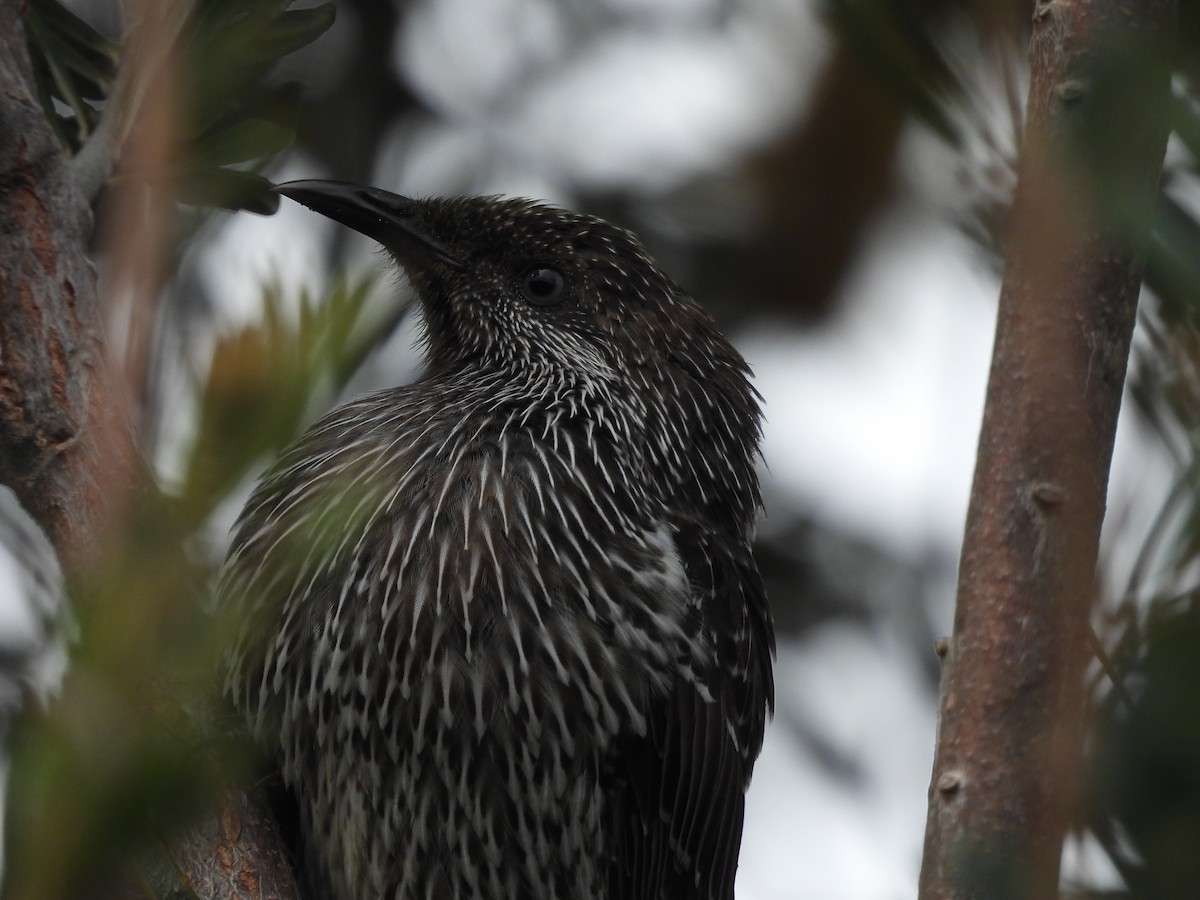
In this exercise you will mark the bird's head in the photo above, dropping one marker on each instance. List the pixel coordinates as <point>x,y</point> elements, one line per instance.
<point>513,284</point>
<point>569,306</point>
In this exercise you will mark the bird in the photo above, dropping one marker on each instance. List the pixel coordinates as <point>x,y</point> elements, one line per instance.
<point>502,628</point>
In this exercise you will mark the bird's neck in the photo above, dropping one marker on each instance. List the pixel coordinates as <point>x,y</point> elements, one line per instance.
<point>684,440</point>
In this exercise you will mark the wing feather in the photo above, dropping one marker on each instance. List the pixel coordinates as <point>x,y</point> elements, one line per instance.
<point>678,790</point>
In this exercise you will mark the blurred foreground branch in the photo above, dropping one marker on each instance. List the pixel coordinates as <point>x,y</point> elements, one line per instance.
<point>1006,769</point>
<point>133,753</point>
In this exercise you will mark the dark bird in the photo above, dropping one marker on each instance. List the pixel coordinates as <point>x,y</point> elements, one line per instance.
<point>502,627</point>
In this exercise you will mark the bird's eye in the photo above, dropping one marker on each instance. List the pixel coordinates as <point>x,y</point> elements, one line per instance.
<point>543,286</point>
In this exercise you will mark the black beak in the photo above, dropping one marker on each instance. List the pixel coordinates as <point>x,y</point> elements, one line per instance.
<point>381,215</point>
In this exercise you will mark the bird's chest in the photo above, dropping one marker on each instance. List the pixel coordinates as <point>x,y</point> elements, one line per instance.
<point>498,629</point>
<point>510,594</point>
<point>487,580</point>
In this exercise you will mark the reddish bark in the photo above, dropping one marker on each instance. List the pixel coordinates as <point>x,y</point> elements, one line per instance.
<point>1004,777</point>
<point>65,444</point>
<point>236,854</point>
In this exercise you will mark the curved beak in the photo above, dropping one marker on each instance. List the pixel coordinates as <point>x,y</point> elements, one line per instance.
<point>381,215</point>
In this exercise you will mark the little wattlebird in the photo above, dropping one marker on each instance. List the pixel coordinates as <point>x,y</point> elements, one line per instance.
<point>502,628</point>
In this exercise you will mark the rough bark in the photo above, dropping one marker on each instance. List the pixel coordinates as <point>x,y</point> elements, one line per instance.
<point>236,854</point>
<point>65,446</point>
<point>1004,777</point>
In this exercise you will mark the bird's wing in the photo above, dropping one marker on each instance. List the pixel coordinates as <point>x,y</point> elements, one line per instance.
<point>679,788</point>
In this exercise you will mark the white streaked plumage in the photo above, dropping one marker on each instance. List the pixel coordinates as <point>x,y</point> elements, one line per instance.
<point>502,625</point>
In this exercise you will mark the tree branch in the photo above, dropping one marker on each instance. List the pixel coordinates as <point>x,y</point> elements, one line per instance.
<point>1005,773</point>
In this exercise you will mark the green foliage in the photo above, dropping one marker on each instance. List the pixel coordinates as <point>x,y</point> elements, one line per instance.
<point>1146,770</point>
<point>1173,266</point>
<point>237,121</point>
<point>233,120</point>
<point>140,741</point>
<point>117,765</point>
<point>267,379</point>
<point>73,65</point>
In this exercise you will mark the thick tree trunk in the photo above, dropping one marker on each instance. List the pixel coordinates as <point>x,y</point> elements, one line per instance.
<point>1005,773</point>
<point>65,443</point>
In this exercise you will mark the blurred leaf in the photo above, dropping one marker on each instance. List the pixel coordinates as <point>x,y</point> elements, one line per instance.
<point>246,140</point>
<point>139,744</point>
<point>1172,264</point>
<point>234,115</point>
<point>1111,120</point>
<point>1185,120</point>
<point>296,28</point>
<point>125,756</point>
<point>1167,382</point>
<point>72,64</point>
<point>896,40</point>
<point>231,48</point>
<point>1147,773</point>
<point>228,189</point>
<point>266,380</point>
